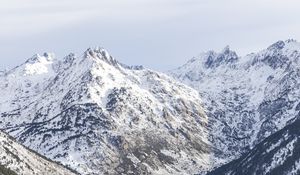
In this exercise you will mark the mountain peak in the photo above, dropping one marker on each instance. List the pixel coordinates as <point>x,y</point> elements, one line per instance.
<point>46,57</point>
<point>278,45</point>
<point>291,41</point>
<point>225,56</point>
<point>279,55</point>
<point>226,49</point>
<point>102,54</point>
<point>38,64</point>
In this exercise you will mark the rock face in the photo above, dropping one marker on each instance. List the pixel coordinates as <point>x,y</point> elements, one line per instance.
<point>276,155</point>
<point>246,98</point>
<point>98,116</point>
<point>16,159</point>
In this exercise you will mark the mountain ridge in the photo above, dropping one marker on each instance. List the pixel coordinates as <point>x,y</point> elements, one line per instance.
<point>16,159</point>
<point>96,115</point>
<point>248,99</point>
<point>277,154</point>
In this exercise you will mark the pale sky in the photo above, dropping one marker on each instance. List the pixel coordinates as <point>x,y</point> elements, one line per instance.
<point>159,34</point>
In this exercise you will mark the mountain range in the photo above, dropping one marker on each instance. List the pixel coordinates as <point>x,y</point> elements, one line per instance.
<point>246,98</point>
<point>96,115</point>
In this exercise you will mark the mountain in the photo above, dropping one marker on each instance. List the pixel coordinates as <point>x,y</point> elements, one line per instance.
<point>16,159</point>
<point>99,116</point>
<point>245,98</point>
<point>276,155</point>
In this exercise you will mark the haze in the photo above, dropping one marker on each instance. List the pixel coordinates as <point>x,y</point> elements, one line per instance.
<point>159,34</point>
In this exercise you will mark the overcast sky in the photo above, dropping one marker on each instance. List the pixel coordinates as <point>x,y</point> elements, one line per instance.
<point>159,34</point>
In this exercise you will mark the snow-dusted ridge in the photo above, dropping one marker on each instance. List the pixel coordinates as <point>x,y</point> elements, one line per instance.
<point>277,154</point>
<point>246,98</point>
<point>98,116</point>
<point>20,160</point>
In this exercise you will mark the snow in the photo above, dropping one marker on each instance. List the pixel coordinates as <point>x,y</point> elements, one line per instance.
<point>230,90</point>
<point>22,161</point>
<point>66,101</point>
<point>296,168</point>
<point>41,66</point>
<point>61,97</point>
<point>281,155</point>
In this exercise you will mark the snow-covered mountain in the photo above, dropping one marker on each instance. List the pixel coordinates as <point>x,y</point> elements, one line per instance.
<point>16,159</point>
<point>277,155</point>
<point>246,98</point>
<point>99,116</point>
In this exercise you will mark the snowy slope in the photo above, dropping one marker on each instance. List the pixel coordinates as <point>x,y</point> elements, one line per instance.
<point>277,155</point>
<point>98,116</point>
<point>20,160</point>
<point>246,98</point>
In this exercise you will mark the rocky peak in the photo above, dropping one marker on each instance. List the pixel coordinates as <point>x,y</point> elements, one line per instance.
<point>279,54</point>
<point>226,56</point>
<point>37,58</point>
<point>291,41</point>
<point>278,45</point>
<point>101,54</point>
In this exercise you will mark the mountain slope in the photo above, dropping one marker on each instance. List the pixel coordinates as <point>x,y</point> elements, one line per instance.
<point>6,171</point>
<point>16,159</point>
<point>246,98</point>
<point>98,116</point>
<point>278,154</point>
